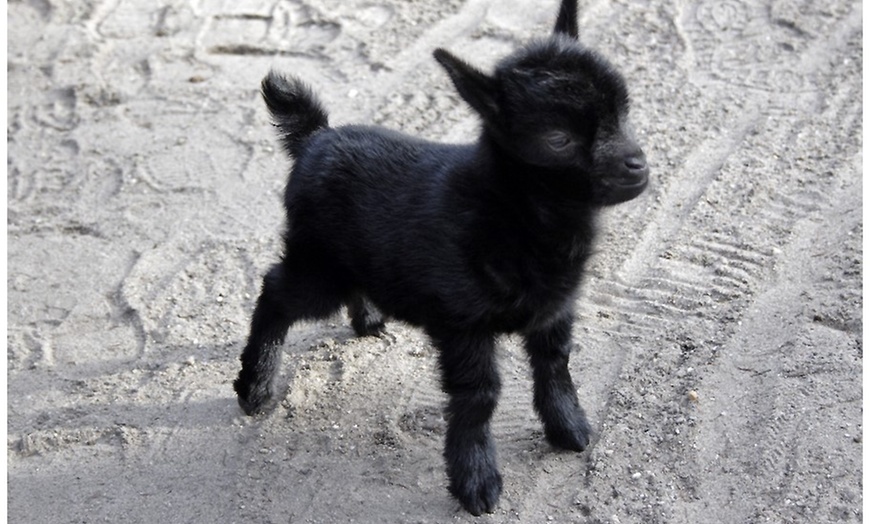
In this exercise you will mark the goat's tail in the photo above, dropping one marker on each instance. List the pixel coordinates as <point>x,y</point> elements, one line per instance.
<point>296,111</point>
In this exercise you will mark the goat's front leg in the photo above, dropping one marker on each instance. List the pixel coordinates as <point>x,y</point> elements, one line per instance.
<point>470,378</point>
<point>555,397</point>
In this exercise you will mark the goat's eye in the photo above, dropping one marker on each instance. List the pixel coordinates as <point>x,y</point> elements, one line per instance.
<point>558,141</point>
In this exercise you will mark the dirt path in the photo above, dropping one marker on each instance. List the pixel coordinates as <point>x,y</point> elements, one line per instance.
<point>719,344</point>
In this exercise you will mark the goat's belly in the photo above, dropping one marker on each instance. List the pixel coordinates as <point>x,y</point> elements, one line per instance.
<point>528,313</point>
<point>468,308</point>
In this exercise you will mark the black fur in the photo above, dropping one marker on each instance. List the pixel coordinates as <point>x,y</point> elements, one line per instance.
<point>466,241</point>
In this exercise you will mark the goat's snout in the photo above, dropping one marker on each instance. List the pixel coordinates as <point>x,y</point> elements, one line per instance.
<point>627,179</point>
<point>636,166</point>
<point>635,173</point>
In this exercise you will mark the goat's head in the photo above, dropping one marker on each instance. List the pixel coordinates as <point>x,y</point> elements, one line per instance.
<point>560,106</point>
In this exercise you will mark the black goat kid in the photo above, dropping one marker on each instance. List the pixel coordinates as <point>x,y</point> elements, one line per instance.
<point>466,241</point>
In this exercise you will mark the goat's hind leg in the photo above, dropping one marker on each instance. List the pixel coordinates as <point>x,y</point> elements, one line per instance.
<point>555,396</point>
<point>290,293</point>
<point>364,318</point>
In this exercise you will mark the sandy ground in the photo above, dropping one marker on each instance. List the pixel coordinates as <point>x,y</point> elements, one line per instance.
<point>719,339</point>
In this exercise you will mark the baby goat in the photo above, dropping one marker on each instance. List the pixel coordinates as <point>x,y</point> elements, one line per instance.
<point>465,241</point>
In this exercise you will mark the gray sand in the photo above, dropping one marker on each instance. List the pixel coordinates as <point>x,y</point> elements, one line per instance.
<point>719,334</point>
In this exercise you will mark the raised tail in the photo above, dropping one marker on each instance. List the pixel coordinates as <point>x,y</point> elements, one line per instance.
<point>296,111</point>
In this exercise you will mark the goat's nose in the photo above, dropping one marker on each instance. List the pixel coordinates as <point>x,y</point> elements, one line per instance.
<point>636,163</point>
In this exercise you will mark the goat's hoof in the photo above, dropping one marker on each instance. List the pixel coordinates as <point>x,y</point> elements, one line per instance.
<point>478,492</point>
<point>574,438</point>
<point>369,328</point>
<point>252,399</point>
<point>257,407</point>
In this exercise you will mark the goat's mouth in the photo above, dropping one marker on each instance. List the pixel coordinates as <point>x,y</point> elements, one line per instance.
<point>623,188</point>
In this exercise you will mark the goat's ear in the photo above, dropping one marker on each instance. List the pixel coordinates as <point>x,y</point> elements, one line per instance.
<point>478,89</point>
<point>566,23</point>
